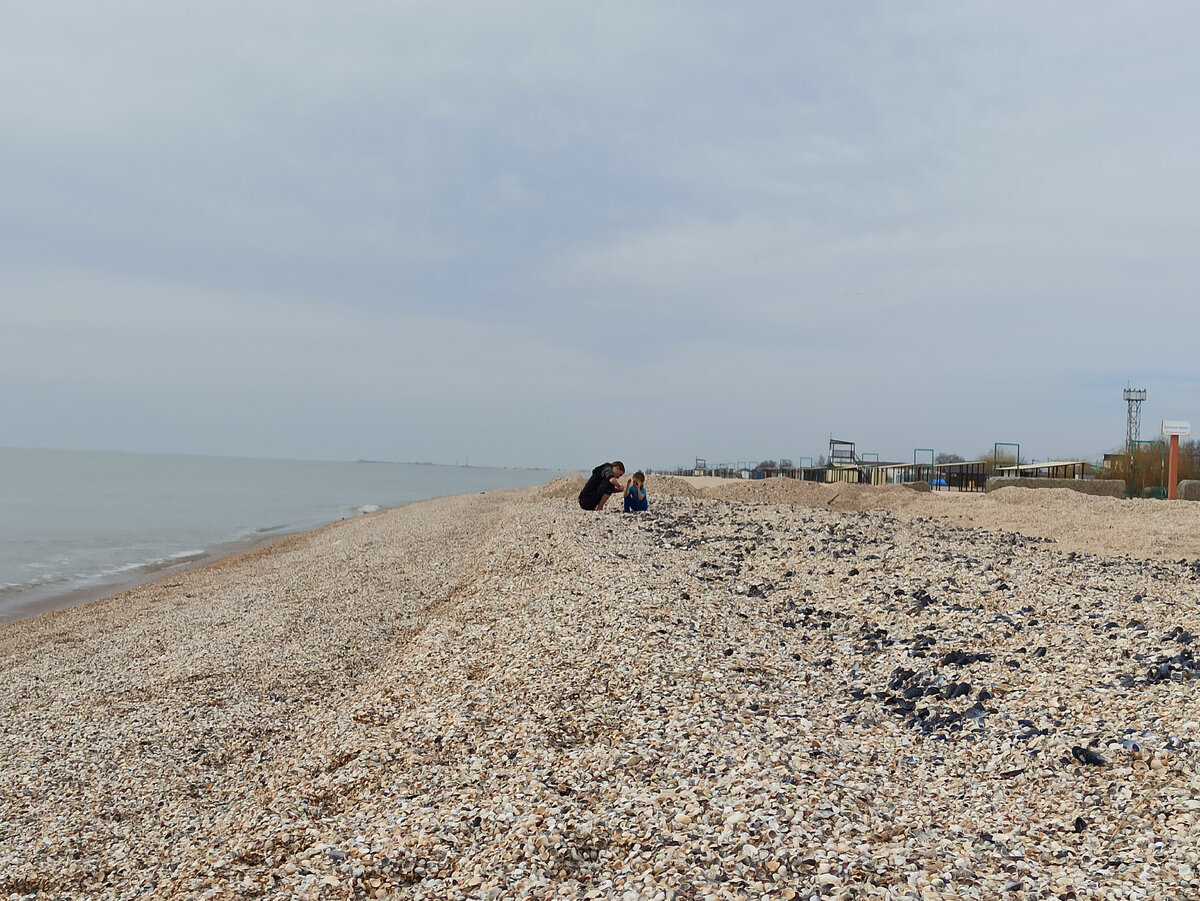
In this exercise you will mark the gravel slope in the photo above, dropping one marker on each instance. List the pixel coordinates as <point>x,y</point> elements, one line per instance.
<point>752,691</point>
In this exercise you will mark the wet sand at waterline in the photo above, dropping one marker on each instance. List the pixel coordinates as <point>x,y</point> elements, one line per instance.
<point>755,689</point>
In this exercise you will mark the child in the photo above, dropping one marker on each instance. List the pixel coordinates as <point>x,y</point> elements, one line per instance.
<point>635,493</point>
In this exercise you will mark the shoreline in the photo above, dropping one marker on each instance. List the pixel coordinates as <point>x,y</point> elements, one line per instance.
<point>34,602</point>
<point>48,599</point>
<point>82,525</point>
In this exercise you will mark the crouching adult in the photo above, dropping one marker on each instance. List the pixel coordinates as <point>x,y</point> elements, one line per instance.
<point>604,482</point>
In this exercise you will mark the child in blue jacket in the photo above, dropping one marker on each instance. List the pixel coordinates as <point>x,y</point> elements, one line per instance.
<point>635,494</point>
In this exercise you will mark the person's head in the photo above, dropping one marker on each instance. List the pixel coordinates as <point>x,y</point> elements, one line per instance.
<point>639,477</point>
<point>618,468</point>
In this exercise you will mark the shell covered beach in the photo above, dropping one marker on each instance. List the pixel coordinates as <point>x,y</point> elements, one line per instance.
<point>755,690</point>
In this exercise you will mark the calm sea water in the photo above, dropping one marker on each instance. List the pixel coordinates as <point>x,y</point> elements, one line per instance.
<point>75,521</point>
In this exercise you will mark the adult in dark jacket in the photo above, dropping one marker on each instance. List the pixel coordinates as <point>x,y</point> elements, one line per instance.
<point>603,483</point>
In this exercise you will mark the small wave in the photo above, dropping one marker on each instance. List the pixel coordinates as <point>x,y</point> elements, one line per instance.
<point>152,565</point>
<point>167,562</point>
<point>36,582</point>
<point>186,555</point>
<point>367,508</point>
<point>113,570</point>
<point>265,529</point>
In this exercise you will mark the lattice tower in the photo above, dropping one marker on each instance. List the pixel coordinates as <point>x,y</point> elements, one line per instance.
<point>1133,422</point>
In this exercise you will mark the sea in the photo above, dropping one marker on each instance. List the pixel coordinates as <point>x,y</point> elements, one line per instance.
<point>78,525</point>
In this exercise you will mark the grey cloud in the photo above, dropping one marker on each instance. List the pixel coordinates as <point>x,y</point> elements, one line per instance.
<point>434,226</point>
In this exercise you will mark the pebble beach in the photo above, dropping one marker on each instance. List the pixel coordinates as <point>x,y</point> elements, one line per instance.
<point>755,690</point>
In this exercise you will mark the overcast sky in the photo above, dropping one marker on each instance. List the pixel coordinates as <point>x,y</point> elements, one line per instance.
<point>550,234</point>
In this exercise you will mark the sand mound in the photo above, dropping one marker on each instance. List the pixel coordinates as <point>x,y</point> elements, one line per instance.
<point>1059,498</point>
<point>873,497</point>
<point>563,486</point>
<point>798,493</point>
<point>770,491</point>
<point>670,485</point>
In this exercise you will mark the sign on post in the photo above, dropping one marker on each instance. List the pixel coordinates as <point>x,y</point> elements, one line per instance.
<point>1174,428</point>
